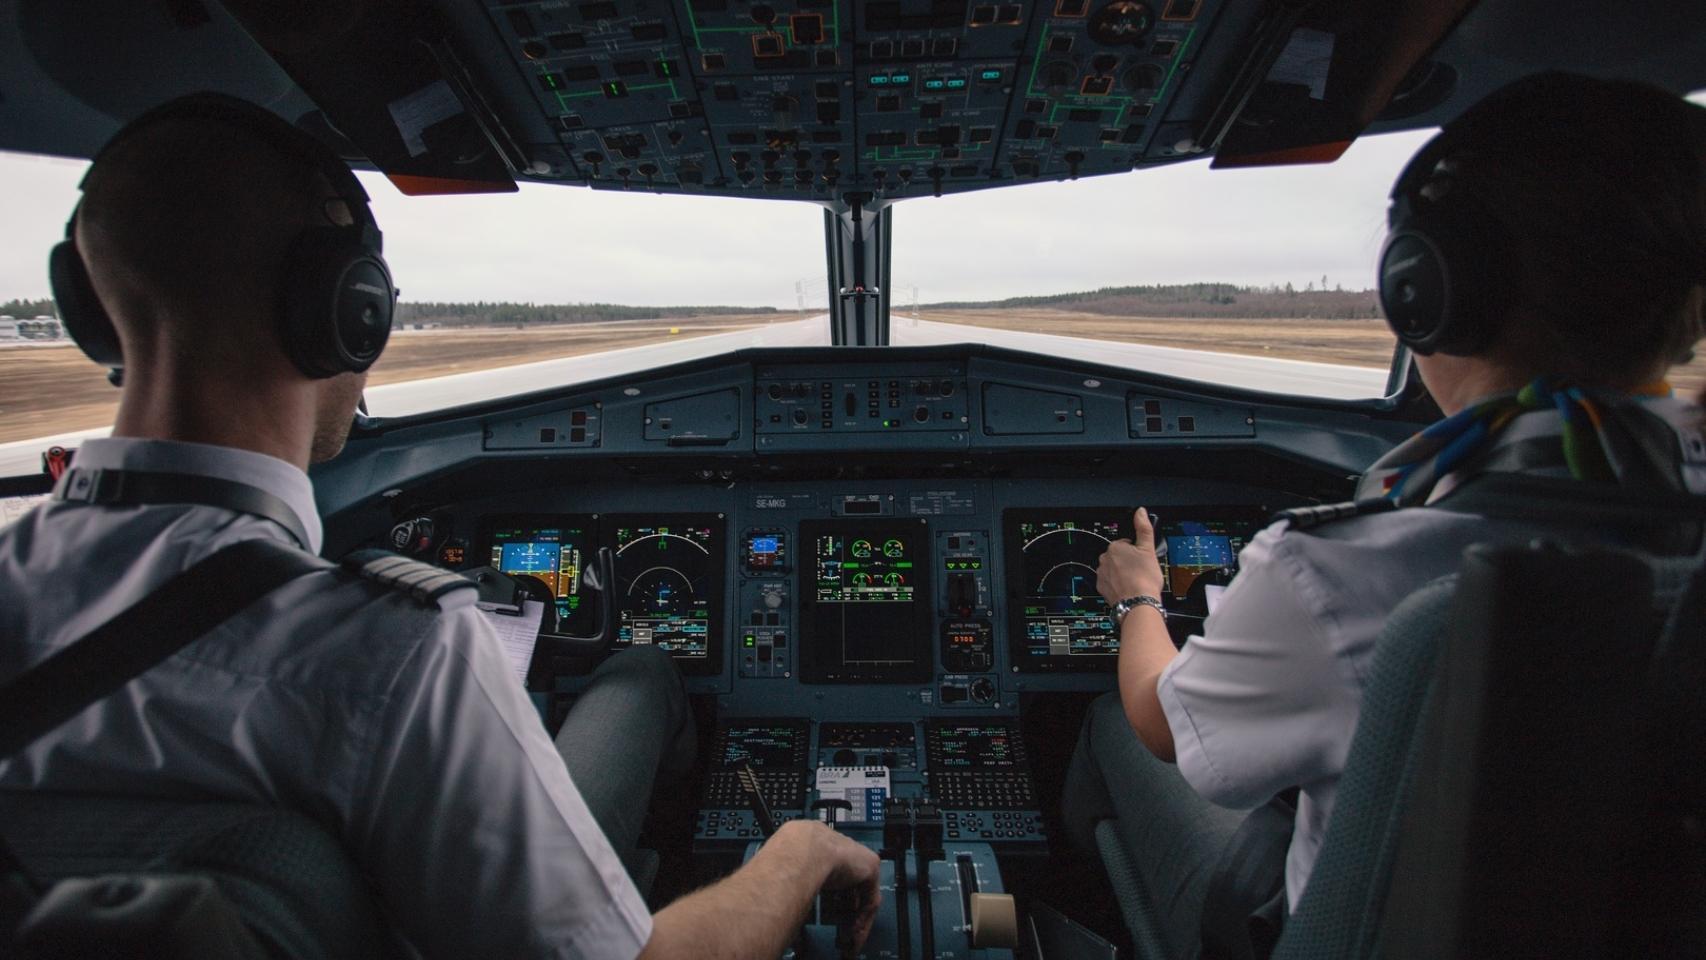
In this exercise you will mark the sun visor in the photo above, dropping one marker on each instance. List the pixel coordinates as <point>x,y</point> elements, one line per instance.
<point>1336,68</point>
<point>389,83</point>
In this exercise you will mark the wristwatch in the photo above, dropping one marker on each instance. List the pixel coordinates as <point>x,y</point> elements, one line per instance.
<point>1131,603</point>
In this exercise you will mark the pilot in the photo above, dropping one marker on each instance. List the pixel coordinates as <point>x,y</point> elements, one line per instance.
<point>1570,216</point>
<point>397,724</point>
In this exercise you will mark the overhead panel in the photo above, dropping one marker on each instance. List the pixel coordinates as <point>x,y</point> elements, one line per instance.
<point>815,99</point>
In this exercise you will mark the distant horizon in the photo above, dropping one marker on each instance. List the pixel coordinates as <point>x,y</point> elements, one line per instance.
<point>1269,288</point>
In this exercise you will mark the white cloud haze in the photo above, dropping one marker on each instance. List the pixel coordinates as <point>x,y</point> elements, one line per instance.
<point>1182,223</point>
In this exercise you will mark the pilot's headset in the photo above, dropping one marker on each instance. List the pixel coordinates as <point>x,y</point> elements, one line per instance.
<point>1444,277</point>
<point>336,300</point>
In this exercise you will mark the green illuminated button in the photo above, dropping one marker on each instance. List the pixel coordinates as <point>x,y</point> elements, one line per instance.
<point>615,89</point>
<point>749,640</point>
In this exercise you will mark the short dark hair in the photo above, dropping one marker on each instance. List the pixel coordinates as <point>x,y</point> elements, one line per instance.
<point>1601,185</point>
<point>192,212</point>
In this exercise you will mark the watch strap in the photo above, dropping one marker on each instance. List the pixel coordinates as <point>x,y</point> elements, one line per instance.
<point>1131,603</point>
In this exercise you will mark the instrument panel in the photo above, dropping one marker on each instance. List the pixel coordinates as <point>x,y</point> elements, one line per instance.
<point>923,546</point>
<point>901,598</point>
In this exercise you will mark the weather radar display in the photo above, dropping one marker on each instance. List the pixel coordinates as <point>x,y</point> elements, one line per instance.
<point>667,581</point>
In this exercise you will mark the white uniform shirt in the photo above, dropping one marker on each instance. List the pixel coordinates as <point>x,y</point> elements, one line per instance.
<point>401,728</point>
<point>1269,696</point>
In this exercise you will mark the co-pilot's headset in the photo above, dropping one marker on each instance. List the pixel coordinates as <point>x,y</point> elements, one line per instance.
<point>336,299</point>
<point>1444,269</point>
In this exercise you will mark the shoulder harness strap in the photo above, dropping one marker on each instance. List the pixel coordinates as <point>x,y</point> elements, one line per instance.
<point>424,583</point>
<point>1305,518</point>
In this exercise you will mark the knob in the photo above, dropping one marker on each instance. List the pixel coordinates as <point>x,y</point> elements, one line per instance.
<point>763,14</point>
<point>845,758</point>
<point>775,391</point>
<point>772,597</point>
<point>921,414</point>
<point>982,690</point>
<point>800,417</point>
<point>413,536</point>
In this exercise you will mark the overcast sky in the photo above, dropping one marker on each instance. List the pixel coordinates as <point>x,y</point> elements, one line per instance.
<point>1176,224</point>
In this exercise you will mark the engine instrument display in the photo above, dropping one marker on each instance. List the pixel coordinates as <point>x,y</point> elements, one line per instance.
<point>669,585</point>
<point>1061,621</point>
<point>865,601</point>
<point>552,549</point>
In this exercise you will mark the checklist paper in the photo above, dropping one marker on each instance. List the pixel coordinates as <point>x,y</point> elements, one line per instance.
<point>518,633</point>
<point>864,787</point>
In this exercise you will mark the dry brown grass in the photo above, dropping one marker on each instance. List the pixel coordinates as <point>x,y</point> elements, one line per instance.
<point>1361,343</point>
<point>53,389</point>
<point>47,390</point>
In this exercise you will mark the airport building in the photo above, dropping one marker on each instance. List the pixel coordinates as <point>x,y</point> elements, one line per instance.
<point>39,328</point>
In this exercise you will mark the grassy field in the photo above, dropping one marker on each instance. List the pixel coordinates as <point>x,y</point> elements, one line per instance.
<point>45,390</point>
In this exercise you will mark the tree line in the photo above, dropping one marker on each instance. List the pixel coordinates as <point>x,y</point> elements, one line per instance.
<point>481,313</point>
<point>28,309</point>
<point>1218,300</point>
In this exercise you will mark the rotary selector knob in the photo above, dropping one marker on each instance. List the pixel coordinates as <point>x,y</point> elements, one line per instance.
<point>771,597</point>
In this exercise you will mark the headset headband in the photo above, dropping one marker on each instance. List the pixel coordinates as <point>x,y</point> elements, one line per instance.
<point>278,133</point>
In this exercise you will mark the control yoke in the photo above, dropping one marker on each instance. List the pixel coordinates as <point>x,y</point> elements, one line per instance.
<point>600,580</point>
<point>507,591</point>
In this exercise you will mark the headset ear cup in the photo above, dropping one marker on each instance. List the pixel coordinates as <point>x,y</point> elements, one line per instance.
<point>1438,285</point>
<point>336,305</point>
<point>79,307</point>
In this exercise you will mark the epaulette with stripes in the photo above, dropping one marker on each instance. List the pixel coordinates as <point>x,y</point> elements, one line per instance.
<point>424,583</point>
<point>1304,518</point>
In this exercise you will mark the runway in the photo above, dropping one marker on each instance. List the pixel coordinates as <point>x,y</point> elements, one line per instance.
<point>404,399</point>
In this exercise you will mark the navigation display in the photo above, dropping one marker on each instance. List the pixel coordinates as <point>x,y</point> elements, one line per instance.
<point>551,549</point>
<point>669,585</point>
<point>865,604</point>
<point>1061,621</point>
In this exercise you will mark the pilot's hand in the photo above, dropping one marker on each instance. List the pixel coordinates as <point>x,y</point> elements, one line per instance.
<point>852,867</point>
<point>1130,568</point>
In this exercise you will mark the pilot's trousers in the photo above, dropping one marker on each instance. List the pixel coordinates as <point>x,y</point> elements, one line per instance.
<point>630,730</point>
<point>1174,837</point>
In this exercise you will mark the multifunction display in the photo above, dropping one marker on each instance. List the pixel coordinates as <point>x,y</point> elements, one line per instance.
<point>865,601</point>
<point>669,583</point>
<point>1061,621</point>
<point>552,550</point>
